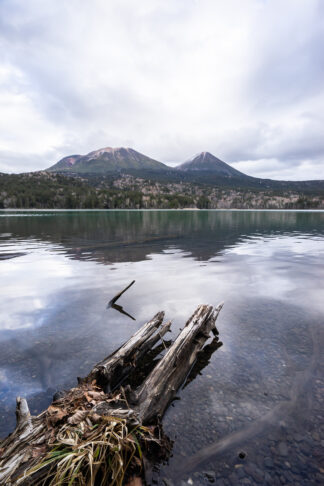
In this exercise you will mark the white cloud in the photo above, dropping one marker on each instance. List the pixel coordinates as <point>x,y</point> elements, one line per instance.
<point>240,79</point>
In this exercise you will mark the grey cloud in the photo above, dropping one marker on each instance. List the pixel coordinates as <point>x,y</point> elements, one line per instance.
<point>289,59</point>
<point>286,142</point>
<point>11,162</point>
<point>168,78</point>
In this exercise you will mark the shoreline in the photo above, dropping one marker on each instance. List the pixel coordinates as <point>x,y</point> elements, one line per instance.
<point>35,210</point>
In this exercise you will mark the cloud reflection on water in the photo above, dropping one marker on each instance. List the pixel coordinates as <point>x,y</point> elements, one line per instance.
<point>266,267</point>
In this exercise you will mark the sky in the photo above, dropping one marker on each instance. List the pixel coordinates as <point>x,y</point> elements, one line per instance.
<point>242,79</point>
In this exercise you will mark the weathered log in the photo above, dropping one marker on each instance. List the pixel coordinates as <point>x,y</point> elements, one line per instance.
<point>160,387</point>
<point>92,399</point>
<point>18,447</point>
<point>111,371</point>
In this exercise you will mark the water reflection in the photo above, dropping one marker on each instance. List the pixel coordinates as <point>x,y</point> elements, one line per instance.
<point>124,236</point>
<point>261,392</point>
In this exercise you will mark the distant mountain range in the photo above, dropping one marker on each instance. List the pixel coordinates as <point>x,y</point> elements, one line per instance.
<point>121,178</point>
<point>110,160</point>
<point>204,168</point>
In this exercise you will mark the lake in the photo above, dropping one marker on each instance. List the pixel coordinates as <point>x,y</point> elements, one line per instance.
<point>254,414</point>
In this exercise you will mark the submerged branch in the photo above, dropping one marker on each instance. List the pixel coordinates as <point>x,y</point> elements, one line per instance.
<point>117,296</point>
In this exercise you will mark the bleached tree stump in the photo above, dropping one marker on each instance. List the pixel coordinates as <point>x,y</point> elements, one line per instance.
<point>106,392</point>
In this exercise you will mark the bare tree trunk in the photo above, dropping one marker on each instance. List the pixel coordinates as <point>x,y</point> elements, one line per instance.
<point>161,386</point>
<point>33,436</point>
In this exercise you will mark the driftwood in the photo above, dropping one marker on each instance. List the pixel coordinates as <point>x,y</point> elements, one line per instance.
<point>117,296</point>
<point>119,308</point>
<point>108,392</point>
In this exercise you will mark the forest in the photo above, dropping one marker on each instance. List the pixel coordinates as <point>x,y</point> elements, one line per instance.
<point>44,190</point>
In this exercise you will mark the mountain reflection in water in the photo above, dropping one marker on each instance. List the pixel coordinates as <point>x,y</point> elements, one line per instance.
<point>259,393</point>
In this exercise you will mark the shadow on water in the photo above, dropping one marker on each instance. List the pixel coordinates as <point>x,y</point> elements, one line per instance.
<point>203,360</point>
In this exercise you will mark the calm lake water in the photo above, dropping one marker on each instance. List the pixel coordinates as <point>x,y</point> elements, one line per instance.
<point>261,393</point>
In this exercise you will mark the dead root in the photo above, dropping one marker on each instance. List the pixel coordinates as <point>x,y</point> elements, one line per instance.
<point>87,449</point>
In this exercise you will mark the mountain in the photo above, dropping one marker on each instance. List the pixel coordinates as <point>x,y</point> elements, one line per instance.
<point>65,163</point>
<point>207,169</point>
<point>204,168</point>
<point>207,162</point>
<point>107,160</point>
<point>112,178</point>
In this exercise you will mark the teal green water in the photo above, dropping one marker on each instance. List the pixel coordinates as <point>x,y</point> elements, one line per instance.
<point>262,391</point>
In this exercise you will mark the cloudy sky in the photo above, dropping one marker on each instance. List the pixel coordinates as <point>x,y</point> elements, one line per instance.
<point>243,79</point>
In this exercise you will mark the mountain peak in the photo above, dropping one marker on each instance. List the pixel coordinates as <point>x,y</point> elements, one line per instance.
<point>108,150</point>
<point>205,161</point>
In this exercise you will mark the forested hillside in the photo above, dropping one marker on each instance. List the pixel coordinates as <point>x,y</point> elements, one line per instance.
<point>56,191</point>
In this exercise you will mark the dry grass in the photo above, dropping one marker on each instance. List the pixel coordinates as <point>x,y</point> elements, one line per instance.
<point>90,454</point>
